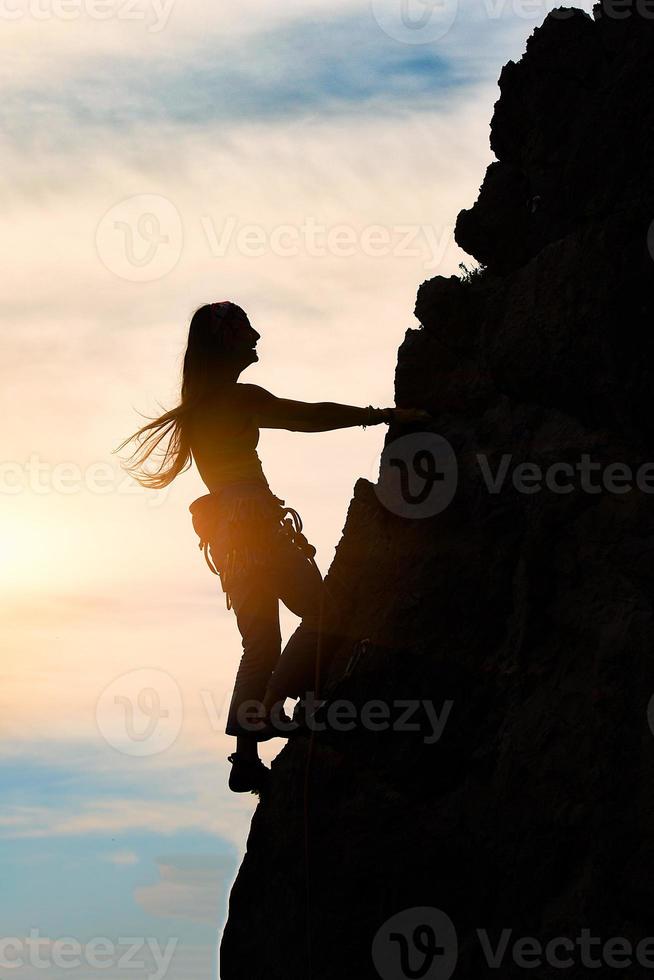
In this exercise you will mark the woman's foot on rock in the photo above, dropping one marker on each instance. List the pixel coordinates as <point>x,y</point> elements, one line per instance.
<point>275,724</point>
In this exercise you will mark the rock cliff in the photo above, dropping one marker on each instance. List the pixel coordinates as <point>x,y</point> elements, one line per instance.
<point>525,607</point>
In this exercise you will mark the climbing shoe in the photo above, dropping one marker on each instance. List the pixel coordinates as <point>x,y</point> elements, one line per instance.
<point>247,776</point>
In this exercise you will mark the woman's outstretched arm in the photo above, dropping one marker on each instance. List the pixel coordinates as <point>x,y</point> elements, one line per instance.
<point>271,412</point>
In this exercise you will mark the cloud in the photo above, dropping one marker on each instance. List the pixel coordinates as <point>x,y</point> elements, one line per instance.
<point>190,887</point>
<point>324,65</point>
<point>122,858</point>
<point>215,814</point>
<point>40,45</point>
<point>223,63</point>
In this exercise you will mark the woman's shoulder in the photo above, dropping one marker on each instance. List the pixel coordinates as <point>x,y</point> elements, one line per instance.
<point>251,396</point>
<point>234,400</point>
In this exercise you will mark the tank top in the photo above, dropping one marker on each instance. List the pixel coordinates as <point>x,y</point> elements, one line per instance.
<point>224,444</point>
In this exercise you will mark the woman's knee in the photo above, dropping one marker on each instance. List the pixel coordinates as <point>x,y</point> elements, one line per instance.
<point>261,650</point>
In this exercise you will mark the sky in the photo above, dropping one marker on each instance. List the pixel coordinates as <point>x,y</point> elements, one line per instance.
<point>308,161</point>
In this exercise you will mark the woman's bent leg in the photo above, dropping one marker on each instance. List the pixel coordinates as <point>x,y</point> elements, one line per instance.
<point>307,656</point>
<point>257,613</point>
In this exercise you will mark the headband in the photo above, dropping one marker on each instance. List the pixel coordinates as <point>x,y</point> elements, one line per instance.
<point>221,308</point>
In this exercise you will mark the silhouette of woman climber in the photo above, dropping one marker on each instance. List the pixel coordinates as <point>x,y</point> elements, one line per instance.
<point>249,537</point>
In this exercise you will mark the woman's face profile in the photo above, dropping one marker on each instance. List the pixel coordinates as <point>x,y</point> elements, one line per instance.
<point>244,341</point>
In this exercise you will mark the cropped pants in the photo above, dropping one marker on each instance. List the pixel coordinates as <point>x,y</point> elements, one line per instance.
<point>289,576</point>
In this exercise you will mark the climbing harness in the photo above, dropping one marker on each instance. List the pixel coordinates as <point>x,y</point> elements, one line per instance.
<point>238,528</point>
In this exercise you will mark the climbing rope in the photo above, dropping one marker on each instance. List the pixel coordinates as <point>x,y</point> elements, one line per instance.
<point>307,775</point>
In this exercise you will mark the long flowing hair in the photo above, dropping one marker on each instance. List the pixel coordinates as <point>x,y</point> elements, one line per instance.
<point>167,438</point>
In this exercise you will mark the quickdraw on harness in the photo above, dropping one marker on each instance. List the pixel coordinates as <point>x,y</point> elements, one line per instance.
<point>236,534</point>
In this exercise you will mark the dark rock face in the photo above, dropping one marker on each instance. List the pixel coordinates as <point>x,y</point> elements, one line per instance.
<point>531,612</point>
<point>573,147</point>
